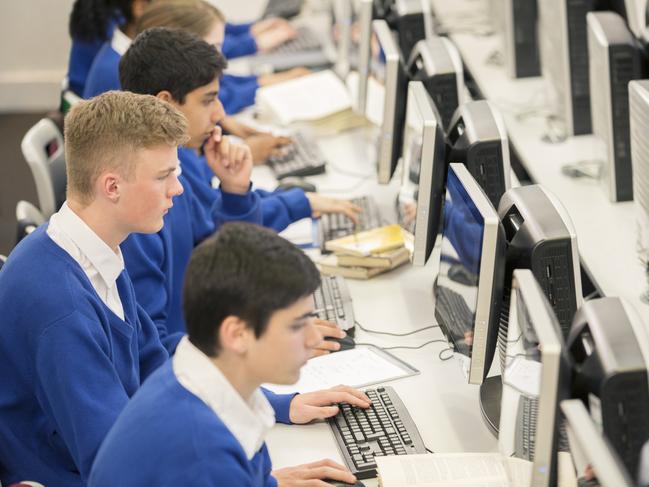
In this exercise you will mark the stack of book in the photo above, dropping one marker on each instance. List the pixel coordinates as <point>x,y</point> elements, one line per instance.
<point>365,254</point>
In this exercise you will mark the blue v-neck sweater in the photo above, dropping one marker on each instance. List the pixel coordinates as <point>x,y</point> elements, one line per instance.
<point>68,364</point>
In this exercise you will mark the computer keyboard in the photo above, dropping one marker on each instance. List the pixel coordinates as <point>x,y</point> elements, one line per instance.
<point>334,302</point>
<point>336,225</point>
<point>283,8</point>
<point>306,40</point>
<point>453,311</point>
<point>528,410</point>
<point>385,428</point>
<point>302,158</point>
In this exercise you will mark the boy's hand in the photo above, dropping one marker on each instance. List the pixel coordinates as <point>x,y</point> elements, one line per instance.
<point>232,163</point>
<point>264,145</point>
<point>272,37</point>
<point>323,204</point>
<point>312,474</point>
<point>268,24</point>
<point>327,329</point>
<point>323,404</point>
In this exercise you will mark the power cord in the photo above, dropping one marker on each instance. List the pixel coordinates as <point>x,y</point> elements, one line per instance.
<point>376,332</point>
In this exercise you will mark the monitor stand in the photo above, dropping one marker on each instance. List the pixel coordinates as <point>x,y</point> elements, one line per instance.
<point>490,393</point>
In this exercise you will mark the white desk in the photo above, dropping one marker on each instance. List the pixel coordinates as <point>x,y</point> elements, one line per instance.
<point>605,231</point>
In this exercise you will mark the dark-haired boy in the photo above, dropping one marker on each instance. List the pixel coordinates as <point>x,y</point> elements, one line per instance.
<point>201,419</point>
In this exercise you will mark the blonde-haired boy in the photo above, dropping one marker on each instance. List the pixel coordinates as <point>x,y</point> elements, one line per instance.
<point>74,344</point>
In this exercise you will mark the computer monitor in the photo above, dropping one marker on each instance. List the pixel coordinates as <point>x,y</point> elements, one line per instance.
<point>437,63</point>
<point>343,17</point>
<point>535,378</point>
<point>388,72</point>
<point>477,138</point>
<point>424,172</point>
<point>468,288</point>
<point>632,11</point>
<point>639,114</point>
<point>519,36</point>
<point>564,61</point>
<point>364,15</point>
<point>413,21</point>
<point>591,450</point>
<point>609,346</point>
<point>614,60</point>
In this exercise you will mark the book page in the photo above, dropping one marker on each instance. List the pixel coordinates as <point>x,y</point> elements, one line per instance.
<point>443,469</point>
<point>519,472</point>
<point>356,367</point>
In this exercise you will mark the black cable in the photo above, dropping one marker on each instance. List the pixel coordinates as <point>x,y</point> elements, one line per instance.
<point>444,359</point>
<point>376,332</point>
<point>428,449</point>
<point>413,348</point>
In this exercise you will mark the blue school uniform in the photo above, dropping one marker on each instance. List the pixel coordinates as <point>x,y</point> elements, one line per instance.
<point>238,41</point>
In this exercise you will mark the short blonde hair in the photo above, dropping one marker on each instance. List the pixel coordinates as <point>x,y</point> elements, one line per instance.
<point>195,16</point>
<point>103,133</point>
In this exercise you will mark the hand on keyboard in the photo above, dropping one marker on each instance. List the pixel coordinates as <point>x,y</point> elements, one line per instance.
<point>232,163</point>
<point>313,474</point>
<point>321,205</point>
<point>274,78</point>
<point>327,329</point>
<point>324,404</point>
<point>264,145</point>
<point>268,24</point>
<point>276,33</point>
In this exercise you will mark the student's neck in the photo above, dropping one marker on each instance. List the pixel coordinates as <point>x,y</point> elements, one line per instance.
<point>98,221</point>
<point>128,30</point>
<point>237,375</point>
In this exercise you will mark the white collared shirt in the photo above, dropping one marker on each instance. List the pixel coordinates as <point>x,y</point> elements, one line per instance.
<point>248,421</point>
<point>120,41</point>
<point>96,258</point>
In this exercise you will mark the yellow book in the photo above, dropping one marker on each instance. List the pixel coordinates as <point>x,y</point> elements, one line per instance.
<point>329,266</point>
<point>369,242</point>
<point>384,260</point>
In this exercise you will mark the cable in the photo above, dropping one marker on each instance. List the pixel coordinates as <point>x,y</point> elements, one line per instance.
<point>444,359</point>
<point>414,348</point>
<point>428,449</point>
<point>376,332</point>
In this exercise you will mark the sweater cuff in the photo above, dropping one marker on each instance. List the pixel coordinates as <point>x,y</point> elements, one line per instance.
<point>297,203</point>
<point>235,204</point>
<point>281,404</point>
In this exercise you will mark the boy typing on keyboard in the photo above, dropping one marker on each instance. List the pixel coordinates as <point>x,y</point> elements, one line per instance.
<point>201,419</point>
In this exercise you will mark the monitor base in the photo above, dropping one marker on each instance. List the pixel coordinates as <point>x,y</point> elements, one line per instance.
<point>490,394</point>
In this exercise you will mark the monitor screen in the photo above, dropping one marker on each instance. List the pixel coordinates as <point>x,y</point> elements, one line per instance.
<point>424,170</point>
<point>593,456</point>
<point>534,378</point>
<point>386,93</point>
<point>468,288</point>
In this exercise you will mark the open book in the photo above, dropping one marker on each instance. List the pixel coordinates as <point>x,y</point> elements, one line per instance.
<point>453,470</point>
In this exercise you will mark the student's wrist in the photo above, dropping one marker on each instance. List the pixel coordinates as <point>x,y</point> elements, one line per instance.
<point>235,188</point>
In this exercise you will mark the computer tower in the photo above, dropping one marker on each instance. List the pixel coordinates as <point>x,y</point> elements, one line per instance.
<point>564,60</point>
<point>541,237</point>
<point>412,20</point>
<point>608,344</point>
<point>477,138</point>
<point>639,115</point>
<point>437,63</point>
<point>614,60</point>
<point>520,46</point>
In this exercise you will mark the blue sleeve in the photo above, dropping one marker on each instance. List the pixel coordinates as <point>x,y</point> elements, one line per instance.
<point>282,208</point>
<point>152,352</point>
<point>237,207</point>
<point>236,29</point>
<point>464,234</point>
<point>104,73</point>
<point>82,55</point>
<point>148,265</point>
<point>237,45</point>
<point>237,92</point>
<point>79,388</point>
<point>281,404</point>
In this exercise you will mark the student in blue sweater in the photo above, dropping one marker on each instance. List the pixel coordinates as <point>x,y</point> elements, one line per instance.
<point>201,419</point>
<point>182,69</point>
<point>74,343</point>
<point>261,36</point>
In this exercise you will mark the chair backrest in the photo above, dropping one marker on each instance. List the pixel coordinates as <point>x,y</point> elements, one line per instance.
<point>28,217</point>
<point>42,148</point>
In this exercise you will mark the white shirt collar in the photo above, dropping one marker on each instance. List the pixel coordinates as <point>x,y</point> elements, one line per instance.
<point>108,264</point>
<point>120,41</point>
<point>249,421</point>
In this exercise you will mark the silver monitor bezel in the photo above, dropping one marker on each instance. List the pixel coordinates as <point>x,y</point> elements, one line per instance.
<point>365,21</point>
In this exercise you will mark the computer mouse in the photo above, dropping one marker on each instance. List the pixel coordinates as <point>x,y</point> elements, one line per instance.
<point>338,483</point>
<point>346,343</point>
<point>293,182</point>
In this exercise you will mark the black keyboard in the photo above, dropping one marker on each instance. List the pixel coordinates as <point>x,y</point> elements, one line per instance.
<point>336,225</point>
<point>334,302</point>
<point>283,8</point>
<point>453,311</point>
<point>306,40</point>
<point>385,428</point>
<point>302,158</point>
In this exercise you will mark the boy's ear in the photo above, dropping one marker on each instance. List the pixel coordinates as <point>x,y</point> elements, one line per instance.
<point>234,335</point>
<point>108,186</point>
<point>165,95</point>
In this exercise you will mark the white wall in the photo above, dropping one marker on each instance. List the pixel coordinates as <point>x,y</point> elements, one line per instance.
<point>34,49</point>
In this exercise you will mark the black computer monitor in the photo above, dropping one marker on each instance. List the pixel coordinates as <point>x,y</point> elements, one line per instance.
<point>535,378</point>
<point>388,71</point>
<point>468,288</point>
<point>590,450</point>
<point>609,346</point>
<point>421,196</point>
<point>437,63</point>
<point>478,139</point>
